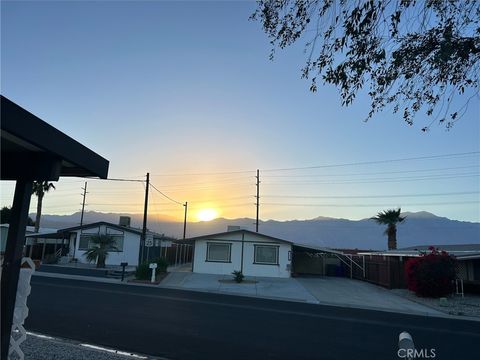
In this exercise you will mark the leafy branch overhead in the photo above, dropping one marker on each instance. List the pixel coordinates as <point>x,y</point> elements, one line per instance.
<point>412,56</point>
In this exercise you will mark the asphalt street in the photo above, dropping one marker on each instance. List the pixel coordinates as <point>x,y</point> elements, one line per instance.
<point>180,324</point>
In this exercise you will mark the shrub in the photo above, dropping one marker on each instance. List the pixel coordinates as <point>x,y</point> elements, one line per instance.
<point>162,264</point>
<point>238,276</point>
<point>50,259</point>
<point>144,272</point>
<point>432,274</point>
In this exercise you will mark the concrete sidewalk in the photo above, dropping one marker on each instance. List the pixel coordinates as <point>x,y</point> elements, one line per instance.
<point>271,288</point>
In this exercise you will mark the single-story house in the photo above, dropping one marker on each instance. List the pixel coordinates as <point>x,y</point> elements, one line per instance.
<point>28,230</point>
<point>252,253</point>
<point>73,242</point>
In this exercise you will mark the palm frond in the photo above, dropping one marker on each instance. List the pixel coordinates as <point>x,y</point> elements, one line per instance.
<point>388,217</point>
<point>102,245</point>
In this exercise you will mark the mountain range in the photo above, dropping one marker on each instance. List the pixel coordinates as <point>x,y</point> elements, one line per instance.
<point>419,228</point>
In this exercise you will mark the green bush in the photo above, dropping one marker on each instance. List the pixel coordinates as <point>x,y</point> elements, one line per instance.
<point>144,272</point>
<point>238,276</point>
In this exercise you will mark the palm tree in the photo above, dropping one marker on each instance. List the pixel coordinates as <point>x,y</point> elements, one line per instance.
<point>390,218</point>
<point>102,245</point>
<point>40,188</point>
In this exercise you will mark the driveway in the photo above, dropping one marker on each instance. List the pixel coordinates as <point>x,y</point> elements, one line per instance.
<point>276,288</point>
<point>355,293</point>
<point>318,290</point>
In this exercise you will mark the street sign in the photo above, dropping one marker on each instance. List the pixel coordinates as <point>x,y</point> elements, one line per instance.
<point>153,265</point>
<point>149,241</point>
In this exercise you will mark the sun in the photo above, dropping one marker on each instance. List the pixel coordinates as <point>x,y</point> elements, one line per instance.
<point>207,214</point>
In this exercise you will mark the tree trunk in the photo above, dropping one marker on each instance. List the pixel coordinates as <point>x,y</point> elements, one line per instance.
<point>392,237</point>
<point>101,262</point>
<point>37,223</point>
<point>39,213</point>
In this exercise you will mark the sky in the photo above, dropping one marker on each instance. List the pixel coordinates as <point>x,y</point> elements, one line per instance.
<point>186,92</point>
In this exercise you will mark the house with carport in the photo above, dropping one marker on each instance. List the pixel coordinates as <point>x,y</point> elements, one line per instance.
<point>252,253</point>
<point>71,244</point>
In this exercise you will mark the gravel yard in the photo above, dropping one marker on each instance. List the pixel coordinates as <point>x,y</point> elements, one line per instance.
<point>38,347</point>
<point>456,305</point>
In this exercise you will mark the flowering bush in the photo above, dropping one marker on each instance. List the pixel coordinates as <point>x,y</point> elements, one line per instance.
<point>432,274</point>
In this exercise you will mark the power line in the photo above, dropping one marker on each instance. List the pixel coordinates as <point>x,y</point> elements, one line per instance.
<point>375,162</point>
<point>373,205</point>
<point>206,185</point>
<point>208,173</point>
<point>215,181</point>
<point>166,196</point>
<point>375,173</point>
<point>117,179</point>
<point>379,180</point>
<point>369,196</point>
<point>183,189</point>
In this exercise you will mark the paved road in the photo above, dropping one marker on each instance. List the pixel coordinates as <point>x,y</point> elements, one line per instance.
<point>180,324</point>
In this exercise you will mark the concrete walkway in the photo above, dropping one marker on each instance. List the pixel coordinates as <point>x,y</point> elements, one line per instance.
<point>355,293</point>
<point>272,288</point>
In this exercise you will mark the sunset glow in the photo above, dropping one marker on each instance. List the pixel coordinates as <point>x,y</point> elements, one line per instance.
<point>207,214</point>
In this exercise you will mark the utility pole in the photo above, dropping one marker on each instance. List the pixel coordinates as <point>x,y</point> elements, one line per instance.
<point>258,199</point>
<point>81,217</point>
<point>185,220</point>
<point>144,228</point>
<point>83,202</point>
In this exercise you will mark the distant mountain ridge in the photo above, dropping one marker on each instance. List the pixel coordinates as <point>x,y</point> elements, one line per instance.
<point>421,228</point>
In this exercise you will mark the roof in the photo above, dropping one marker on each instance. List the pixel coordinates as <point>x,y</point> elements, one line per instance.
<point>317,248</point>
<point>451,247</point>
<point>60,232</point>
<point>236,232</point>
<point>460,251</point>
<point>34,150</point>
<point>99,223</point>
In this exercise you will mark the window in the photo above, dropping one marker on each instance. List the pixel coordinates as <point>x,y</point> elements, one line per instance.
<point>266,254</point>
<point>118,241</point>
<point>84,242</point>
<point>219,252</point>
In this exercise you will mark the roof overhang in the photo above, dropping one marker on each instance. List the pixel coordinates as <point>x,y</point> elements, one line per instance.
<point>459,255</point>
<point>34,150</point>
<point>218,236</point>
<point>55,235</point>
<point>316,249</point>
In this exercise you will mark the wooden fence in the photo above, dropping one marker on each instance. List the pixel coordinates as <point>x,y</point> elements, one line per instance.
<point>387,271</point>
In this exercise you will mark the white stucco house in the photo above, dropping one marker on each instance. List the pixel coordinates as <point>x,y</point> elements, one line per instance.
<point>252,253</point>
<point>74,242</point>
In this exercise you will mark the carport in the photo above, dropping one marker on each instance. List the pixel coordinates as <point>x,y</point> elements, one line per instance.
<point>316,260</point>
<point>32,150</point>
<point>55,243</point>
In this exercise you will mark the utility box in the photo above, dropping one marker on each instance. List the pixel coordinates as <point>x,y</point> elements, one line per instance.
<point>124,221</point>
